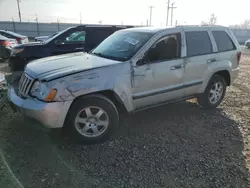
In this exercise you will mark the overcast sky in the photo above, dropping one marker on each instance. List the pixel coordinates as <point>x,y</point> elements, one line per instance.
<point>133,12</point>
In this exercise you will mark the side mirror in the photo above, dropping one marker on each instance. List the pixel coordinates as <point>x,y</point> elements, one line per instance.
<point>140,62</point>
<point>58,42</point>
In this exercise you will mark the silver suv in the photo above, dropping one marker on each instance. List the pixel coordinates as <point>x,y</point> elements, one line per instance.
<point>131,70</point>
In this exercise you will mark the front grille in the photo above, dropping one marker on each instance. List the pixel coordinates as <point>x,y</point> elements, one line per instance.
<point>25,85</point>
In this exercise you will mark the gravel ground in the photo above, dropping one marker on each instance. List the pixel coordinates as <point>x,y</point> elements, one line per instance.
<point>178,145</point>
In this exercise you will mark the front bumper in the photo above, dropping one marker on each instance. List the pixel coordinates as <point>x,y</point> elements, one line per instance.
<point>51,115</point>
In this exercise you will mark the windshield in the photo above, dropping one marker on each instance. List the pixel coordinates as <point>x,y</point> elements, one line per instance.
<point>122,45</point>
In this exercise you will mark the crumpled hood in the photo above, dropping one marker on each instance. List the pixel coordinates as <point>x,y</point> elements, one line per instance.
<point>56,66</point>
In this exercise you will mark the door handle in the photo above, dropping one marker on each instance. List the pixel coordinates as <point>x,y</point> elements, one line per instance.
<point>176,67</point>
<point>211,60</point>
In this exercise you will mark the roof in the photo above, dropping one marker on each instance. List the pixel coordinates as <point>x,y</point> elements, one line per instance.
<point>3,37</point>
<point>12,33</point>
<point>157,29</point>
<point>105,26</point>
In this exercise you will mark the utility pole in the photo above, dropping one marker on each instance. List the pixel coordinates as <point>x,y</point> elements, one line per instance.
<point>19,12</point>
<point>172,12</point>
<point>168,3</point>
<point>150,15</point>
<point>58,26</point>
<point>37,25</point>
<point>80,18</point>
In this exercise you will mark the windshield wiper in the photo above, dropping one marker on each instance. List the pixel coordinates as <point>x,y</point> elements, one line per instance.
<point>109,57</point>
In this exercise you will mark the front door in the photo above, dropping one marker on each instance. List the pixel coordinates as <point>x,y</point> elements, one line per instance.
<point>159,78</point>
<point>71,41</point>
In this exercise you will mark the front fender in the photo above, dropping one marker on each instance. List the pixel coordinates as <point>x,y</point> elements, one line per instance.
<point>93,81</point>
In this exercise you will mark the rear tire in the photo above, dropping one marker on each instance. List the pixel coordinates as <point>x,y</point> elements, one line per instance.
<point>92,119</point>
<point>214,93</point>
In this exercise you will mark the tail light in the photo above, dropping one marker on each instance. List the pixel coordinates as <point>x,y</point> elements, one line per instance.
<point>5,43</point>
<point>19,40</point>
<point>238,57</point>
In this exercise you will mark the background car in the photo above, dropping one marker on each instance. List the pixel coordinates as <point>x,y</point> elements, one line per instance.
<point>82,38</point>
<point>20,38</point>
<point>43,38</point>
<point>6,45</point>
<point>247,43</point>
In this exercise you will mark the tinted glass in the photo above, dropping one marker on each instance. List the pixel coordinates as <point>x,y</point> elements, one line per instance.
<point>198,43</point>
<point>57,35</point>
<point>76,36</point>
<point>223,41</point>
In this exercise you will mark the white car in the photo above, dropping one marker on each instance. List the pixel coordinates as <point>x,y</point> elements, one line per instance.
<point>247,43</point>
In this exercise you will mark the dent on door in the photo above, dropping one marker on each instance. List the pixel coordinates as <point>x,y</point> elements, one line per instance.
<point>142,75</point>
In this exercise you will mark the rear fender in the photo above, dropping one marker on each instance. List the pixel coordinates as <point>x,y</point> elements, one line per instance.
<point>213,68</point>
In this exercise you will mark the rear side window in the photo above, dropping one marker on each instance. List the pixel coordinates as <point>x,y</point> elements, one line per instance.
<point>223,41</point>
<point>198,43</point>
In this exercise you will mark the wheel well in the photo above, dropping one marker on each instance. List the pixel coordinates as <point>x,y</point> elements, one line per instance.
<point>225,74</point>
<point>113,97</point>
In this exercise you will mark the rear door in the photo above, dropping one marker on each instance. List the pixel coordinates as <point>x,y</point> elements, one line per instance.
<point>226,48</point>
<point>72,40</point>
<point>199,57</point>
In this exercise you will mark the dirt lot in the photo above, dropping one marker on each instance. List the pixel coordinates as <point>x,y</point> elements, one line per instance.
<point>179,145</point>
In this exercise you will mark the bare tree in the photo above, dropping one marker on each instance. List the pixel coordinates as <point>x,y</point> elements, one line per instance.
<point>243,25</point>
<point>212,20</point>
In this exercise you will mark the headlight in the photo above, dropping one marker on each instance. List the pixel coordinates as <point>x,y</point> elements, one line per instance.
<point>43,92</point>
<point>17,50</point>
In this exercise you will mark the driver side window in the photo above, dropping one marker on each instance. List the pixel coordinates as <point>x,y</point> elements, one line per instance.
<point>165,49</point>
<point>74,37</point>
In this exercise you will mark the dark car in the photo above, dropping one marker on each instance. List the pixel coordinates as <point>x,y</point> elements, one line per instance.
<point>19,38</point>
<point>74,39</point>
<point>6,45</point>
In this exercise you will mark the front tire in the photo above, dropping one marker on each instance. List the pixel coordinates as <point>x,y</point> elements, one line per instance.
<point>92,119</point>
<point>214,93</point>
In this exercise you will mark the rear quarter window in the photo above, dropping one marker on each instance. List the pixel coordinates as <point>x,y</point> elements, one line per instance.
<point>223,41</point>
<point>198,43</point>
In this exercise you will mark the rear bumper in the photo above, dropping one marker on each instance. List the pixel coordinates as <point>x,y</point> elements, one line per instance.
<point>17,63</point>
<point>51,115</point>
<point>234,74</point>
<point>4,52</point>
